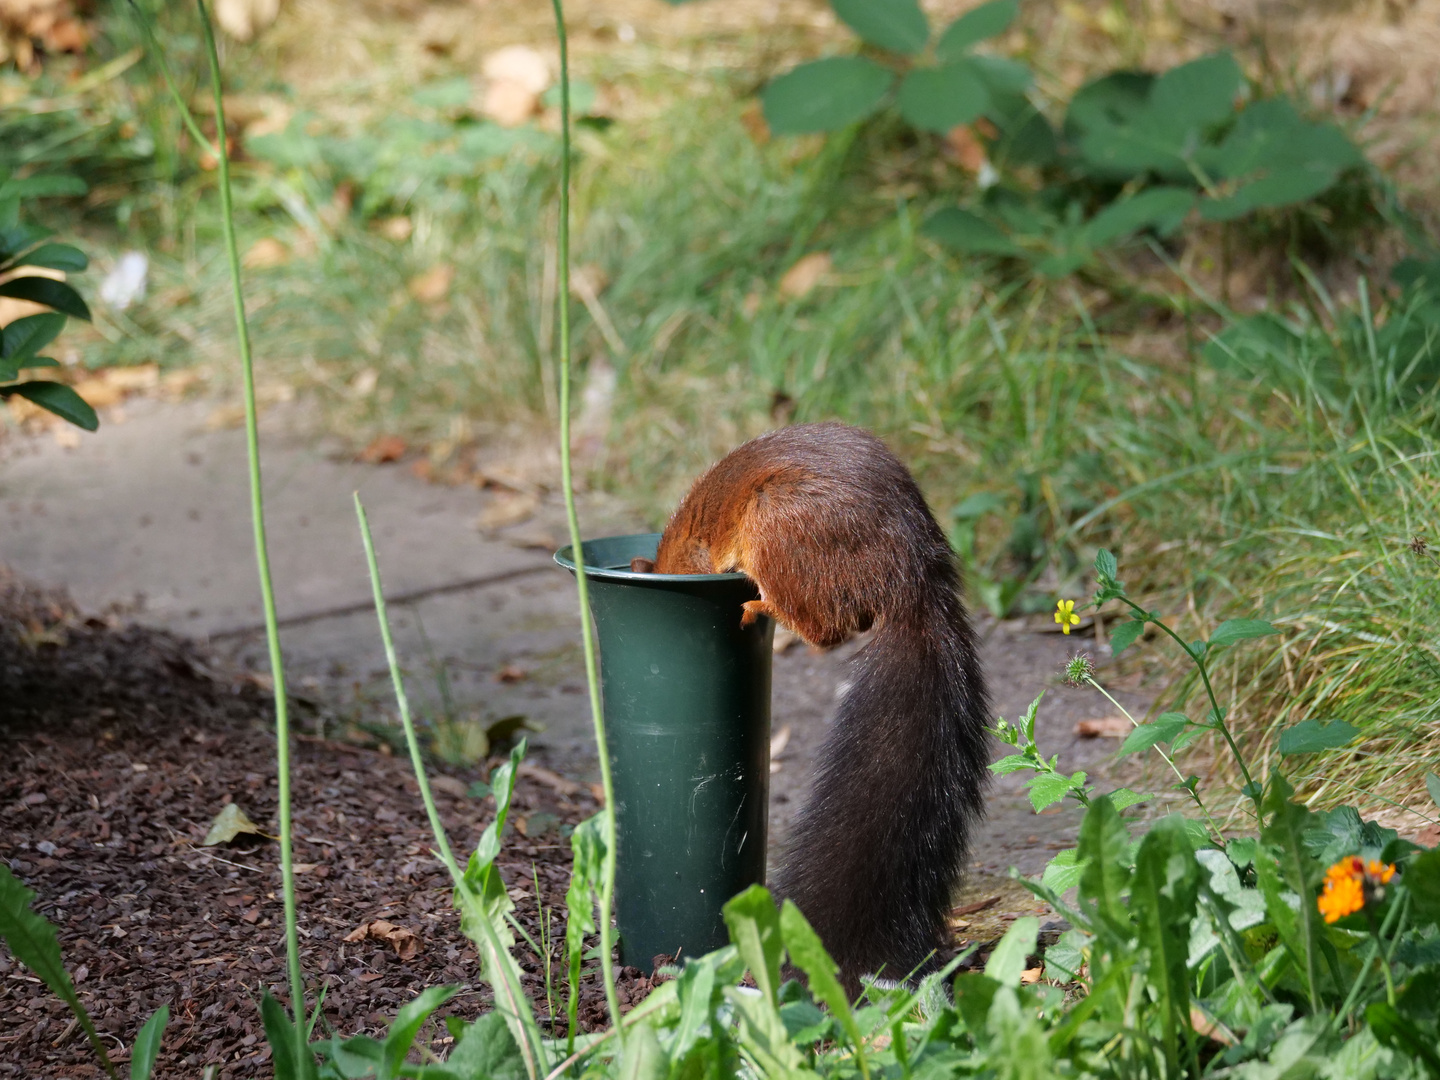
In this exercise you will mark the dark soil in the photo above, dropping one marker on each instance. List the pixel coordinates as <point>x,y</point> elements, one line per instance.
<point>118,745</point>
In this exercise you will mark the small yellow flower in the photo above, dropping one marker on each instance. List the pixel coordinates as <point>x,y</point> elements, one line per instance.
<point>1350,883</point>
<point>1065,615</point>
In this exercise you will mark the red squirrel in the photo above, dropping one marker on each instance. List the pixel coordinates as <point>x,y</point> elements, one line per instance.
<point>835,534</point>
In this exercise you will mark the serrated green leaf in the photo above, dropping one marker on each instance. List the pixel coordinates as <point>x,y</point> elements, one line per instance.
<point>1123,798</point>
<point>1063,871</point>
<point>754,924</point>
<point>1163,729</point>
<point>1422,881</point>
<point>1125,635</point>
<point>487,1049</point>
<point>1105,563</point>
<point>897,25</point>
<point>808,953</point>
<point>976,25</point>
<point>643,1059</point>
<point>1312,736</point>
<point>1007,962</point>
<point>1233,630</point>
<point>940,98</point>
<point>969,233</point>
<point>825,95</point>
<point>1162,897</point>
<point>1066,957</point>
<point>55,257</point>
<point>58,399</point>
<point>147,1044</point>
<point>46,291</point>
<point>1011,763</point>
<point>1046,789</point>
<point>1103,847</point>
<point>1283,833</point>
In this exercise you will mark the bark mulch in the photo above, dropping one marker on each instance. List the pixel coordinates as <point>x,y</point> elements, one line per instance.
<point>118,746</point>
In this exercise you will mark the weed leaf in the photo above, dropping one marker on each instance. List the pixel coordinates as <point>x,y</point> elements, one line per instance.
<point>977,24</point>
<point>897,25</point>
<point>1284,834</point>
<point>487,1049</point>
<point>809,955</point>
<point>1125,635</point>
<point>407,1025</point>
<point>1233,630</point>
<point>1007,962</point>
<point>824,95</point>
<point>1105,876</point>
<point>968,233</point>
<point>754,925</point>
<point>940,98</point>
<point>147,1044</point>
<point>1162,897</point>
<point>1312,736</point>
<point>1163,729</point>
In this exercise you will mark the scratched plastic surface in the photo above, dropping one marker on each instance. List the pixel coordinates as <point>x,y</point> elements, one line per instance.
<point>687,713</point>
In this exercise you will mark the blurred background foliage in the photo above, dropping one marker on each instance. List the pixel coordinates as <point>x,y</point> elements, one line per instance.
<point>1158,275</point>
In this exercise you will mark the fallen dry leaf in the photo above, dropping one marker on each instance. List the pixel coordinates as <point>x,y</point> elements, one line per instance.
<point>403,941</point>
<point>964,148</point>
<point>510,673</point>
<point>553,780</point>
<point>395,228</point>
<point>779,741</point>
<point>265,253</point>
<point>508,103</point>
<point>1106,727</point>
<point>807,272</point>
<point>229,823</point>
<point>433,285</point>
<point>519,64</point>
<point>449,785</point>
<point>384,449</point>
<point>507,508</point>
<point>244,19</point>
<point>1031,975</point>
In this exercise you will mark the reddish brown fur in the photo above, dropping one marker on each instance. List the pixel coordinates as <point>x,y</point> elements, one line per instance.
<point>837,537</point>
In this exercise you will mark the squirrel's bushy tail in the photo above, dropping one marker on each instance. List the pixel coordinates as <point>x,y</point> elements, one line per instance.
<point>878,849</point>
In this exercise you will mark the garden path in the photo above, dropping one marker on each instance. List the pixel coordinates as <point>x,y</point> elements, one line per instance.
<point>148,518</point>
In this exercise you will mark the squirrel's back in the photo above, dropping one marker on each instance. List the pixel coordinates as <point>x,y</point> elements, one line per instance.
<point>837,537</point>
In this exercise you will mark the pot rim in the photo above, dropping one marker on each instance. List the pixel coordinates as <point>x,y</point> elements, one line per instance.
<point>565,558</point>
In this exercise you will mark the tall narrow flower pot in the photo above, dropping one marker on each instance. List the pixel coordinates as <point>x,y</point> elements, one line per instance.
<point>687,716</point>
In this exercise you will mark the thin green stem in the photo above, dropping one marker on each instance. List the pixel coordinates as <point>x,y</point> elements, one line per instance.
<point>567,483</point>
<point>402,699</point>
<point>1394,920</point>
<point>1199,661</point>
<point>507,996</point>
<point>1219,836</point>
<point>186,117</point>
<point>262,554</point>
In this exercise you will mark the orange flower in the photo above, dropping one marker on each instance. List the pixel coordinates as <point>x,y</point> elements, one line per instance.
<point>1350,883</point>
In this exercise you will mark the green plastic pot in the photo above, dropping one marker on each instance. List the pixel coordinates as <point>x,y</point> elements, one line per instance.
<point>687,719</point>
